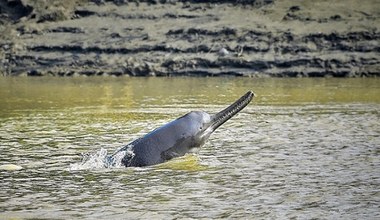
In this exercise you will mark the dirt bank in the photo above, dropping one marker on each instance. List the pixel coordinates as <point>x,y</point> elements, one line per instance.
<point>169,38</point>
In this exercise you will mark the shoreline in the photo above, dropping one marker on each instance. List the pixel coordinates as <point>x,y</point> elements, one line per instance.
<point>184,38</point>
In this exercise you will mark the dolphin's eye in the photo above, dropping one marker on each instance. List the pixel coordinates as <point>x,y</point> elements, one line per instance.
<point>200,128</point>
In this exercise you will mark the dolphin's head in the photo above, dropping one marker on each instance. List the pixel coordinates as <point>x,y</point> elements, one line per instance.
<point>204,125</point>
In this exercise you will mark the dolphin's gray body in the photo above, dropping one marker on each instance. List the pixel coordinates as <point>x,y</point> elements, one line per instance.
<point>178,137</point>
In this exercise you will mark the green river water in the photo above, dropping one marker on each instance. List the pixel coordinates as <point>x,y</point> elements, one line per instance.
<point>303,149</point>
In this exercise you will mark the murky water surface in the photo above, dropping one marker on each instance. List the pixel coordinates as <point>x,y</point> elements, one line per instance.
<point>303,149</point>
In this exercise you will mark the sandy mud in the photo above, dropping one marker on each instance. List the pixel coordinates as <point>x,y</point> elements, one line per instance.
<point>199,38</point>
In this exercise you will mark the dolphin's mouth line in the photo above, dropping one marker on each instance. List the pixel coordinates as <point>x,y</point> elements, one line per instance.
<point>223,116</point>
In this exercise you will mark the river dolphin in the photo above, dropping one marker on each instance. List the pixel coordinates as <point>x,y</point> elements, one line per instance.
<point>177,137</point>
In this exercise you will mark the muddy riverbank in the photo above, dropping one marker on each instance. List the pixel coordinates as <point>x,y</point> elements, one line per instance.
<point>171,38</point>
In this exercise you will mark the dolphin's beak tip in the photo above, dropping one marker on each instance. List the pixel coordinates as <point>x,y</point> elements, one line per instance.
<point>252,93</point>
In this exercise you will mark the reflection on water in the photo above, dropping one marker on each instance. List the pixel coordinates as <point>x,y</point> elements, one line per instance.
<point>304,148</point>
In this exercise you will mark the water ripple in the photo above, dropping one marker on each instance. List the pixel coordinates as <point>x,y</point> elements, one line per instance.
<point>302,161</point>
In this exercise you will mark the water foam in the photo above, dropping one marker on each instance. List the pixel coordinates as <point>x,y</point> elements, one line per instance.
<point>100,160</point>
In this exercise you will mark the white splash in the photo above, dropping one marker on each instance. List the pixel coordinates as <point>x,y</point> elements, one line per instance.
<point>100,159</point>
<point>95,160</point>
<point>117,158</point>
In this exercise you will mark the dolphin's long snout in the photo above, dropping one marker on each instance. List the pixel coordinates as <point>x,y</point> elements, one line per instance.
<point>223,116</point>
